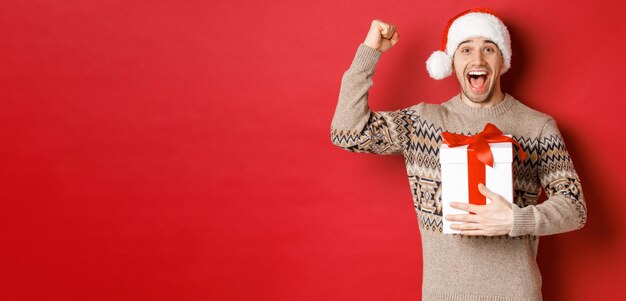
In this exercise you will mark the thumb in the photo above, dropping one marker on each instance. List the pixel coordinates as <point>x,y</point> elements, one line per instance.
<point>490,194</point>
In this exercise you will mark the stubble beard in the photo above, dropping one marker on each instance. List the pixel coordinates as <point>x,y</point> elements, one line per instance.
<point>478,98</point>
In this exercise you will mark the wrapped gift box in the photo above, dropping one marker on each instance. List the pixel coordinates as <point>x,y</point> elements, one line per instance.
<point>457,176</point>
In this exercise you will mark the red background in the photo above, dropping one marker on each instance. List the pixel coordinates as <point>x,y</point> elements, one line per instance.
<point>179,150</point>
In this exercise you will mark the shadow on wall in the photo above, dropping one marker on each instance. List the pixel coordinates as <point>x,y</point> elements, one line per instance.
<point>519,56</point>
<point>599,232</point>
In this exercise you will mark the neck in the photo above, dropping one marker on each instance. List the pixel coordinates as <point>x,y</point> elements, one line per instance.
<point>460,107</point>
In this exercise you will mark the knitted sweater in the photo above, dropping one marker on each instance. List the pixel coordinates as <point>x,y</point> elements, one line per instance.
<point>460,267</point>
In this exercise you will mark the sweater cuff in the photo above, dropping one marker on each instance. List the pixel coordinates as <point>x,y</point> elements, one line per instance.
<point>366,58</point>
<point>523,221</point>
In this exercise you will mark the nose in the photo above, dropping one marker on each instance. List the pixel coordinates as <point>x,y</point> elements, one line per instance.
<point>478,57</point>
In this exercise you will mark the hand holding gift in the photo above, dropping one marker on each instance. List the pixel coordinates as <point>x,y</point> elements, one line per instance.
<point>496,218</point>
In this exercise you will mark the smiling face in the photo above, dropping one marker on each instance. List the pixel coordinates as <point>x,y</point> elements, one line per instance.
<point>478,64</point>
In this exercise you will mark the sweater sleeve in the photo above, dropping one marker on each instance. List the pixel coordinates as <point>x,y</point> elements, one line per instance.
<point>565,209</point>
<point>354,126</point>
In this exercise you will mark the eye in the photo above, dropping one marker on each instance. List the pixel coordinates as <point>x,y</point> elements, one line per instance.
<point>465,50</point>
<point>489,50</point>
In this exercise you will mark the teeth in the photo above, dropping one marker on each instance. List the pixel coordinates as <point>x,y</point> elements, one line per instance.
<point>477,73</point>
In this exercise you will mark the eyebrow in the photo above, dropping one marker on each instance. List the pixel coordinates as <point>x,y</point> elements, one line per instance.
<point>486,41</point>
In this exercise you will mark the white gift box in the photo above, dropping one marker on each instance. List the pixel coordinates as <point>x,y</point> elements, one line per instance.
<point>454,177</point>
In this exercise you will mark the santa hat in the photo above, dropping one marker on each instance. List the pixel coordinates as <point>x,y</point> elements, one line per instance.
<point>477,22</point>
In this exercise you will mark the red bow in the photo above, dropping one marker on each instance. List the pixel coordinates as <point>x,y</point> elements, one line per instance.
<point>479,143</point>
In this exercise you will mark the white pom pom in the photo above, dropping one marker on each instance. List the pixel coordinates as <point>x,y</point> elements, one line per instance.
<point>439,65</point>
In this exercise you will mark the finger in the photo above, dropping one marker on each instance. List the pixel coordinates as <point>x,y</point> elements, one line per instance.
<point>489,194</point>
<point>390,31</point>
<point>395,38</point>
<point>381,26</point>
<point>467,226</point>
<point>467,207</point>
<point>474,232</point>
<point>387,31</point>
<point>471,218</point>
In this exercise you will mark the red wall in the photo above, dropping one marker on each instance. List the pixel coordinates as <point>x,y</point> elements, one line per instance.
<point>179,150</point>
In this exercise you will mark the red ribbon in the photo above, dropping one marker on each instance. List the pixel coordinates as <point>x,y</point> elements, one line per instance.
<point>479,154</point>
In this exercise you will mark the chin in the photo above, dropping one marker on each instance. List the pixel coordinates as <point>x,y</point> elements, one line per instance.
<point>478,98</point>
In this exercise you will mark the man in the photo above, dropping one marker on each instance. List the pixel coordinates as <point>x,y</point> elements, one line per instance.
<point>494,257</point>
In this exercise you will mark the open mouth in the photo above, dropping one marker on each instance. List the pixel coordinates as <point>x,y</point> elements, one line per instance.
<point>478,80</point>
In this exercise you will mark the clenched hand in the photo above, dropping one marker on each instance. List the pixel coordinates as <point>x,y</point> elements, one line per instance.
<point>381,36</point>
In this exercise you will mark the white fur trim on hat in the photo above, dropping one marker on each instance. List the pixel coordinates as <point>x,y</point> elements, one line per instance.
<point>470,25</point>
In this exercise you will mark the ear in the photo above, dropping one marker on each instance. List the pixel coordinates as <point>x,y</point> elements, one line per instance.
<point>453,67</point>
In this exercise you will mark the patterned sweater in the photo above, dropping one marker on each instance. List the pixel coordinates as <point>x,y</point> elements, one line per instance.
<point>459,267</point>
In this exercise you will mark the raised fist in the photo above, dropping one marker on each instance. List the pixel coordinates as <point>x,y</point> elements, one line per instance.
<point>382,36</point>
